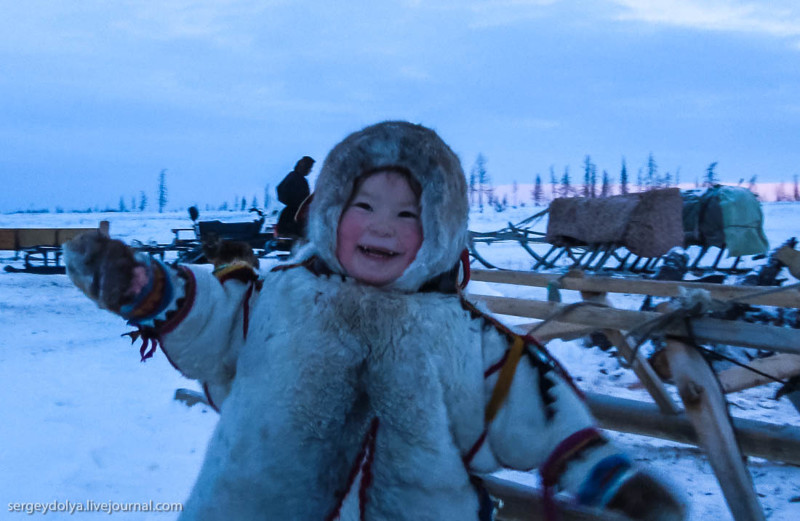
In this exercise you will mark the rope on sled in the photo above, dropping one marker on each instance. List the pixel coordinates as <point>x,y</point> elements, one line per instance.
<point>779,289</point>
<point>694,303</point>
<point>563,311</point>
<point>787,386</point>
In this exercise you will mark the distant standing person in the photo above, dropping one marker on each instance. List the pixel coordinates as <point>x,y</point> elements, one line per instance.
<point>292,191</point>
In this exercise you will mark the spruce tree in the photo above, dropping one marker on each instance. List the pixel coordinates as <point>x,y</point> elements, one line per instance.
<point>472,181</point>
<point>711,176</point>
<point>652,172</point>
<point>752,185</point>
<point>605,189</point>
<point>623,178</point>
<point>587,173</point>
<point>780,192</point>
<point>162,190</point>
<point>566,183</point>
<point>538,195</point>
<point>484,182</point>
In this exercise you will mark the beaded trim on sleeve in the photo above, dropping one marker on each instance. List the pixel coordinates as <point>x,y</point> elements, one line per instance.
<point>605,480</point>
<point>158,298</point>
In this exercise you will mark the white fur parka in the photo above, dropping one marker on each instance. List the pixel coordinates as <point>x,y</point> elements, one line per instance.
<point>340,400</point>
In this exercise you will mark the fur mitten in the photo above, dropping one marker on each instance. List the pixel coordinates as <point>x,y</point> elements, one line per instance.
<point>104,269</point>
<point>644,497</point>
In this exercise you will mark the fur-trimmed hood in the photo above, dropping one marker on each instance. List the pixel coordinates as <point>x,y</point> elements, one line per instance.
<point>444,205</point>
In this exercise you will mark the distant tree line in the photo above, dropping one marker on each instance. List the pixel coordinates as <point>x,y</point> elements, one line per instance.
<point>482,193</point>
<point>140,204</point>
<point>648,177</point>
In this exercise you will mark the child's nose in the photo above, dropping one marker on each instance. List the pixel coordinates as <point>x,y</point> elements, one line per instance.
<point>382,227</point>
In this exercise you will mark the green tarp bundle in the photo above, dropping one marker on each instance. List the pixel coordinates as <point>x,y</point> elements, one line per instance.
<point>726,217</point>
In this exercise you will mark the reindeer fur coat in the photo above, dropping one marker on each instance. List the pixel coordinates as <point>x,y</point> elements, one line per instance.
<point>340,400</point>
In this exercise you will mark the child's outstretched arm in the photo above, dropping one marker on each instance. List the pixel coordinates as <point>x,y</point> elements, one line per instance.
<point>189,311</point>
<point>536,419</point>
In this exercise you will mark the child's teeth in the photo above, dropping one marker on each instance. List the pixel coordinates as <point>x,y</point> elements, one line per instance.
<point>372,251</point>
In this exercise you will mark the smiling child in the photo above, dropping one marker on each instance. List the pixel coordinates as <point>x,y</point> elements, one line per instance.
<point>357,383</point>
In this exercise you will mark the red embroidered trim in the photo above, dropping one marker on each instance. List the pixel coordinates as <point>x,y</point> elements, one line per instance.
<point>366,478</point>
<point>208,396</point>
<point>151,302</point>
<point>467,459</point>
<point>528,339</point>
<point>149,340</point>
<point>556,365</point>
<point>190,289</point>
<point>496,367</point>
<point>169,359</point>
<point>556,464</point>
<point>367,445</point>
<point>465,269</point>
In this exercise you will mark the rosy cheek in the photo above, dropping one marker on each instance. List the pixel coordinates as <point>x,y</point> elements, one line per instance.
<point>347,235</point>
<point>413,238</point>
<point>341,238</point>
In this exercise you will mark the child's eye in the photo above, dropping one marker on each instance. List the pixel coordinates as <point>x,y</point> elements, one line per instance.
<point>362,205</point>
<point>408,214</point>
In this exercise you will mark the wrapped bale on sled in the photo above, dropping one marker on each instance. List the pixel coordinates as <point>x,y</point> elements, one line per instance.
<point>725,217</point>
<point>648,224</point>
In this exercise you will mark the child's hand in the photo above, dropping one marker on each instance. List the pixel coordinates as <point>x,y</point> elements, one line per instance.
<point>104,269</point>
<point>644,497</point>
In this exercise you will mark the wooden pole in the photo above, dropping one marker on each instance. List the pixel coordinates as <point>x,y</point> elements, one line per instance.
<point>763,440</point>
<point>658,288</point>
<point>641,367</point>
<point>644,371</point>
<point>778,366</point>
<point>554,329</point>
<point>706,409</point>
<point>705,329</point>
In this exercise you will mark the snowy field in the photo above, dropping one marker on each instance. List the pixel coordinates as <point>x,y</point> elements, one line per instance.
<point>85,421</point>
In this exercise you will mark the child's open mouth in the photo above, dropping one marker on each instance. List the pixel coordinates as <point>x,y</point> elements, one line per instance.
<point>378,253</point>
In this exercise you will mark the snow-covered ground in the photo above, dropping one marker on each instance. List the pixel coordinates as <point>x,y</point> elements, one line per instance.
<point>83,420</point>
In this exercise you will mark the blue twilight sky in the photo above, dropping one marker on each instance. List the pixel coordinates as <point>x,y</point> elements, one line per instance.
<point>97,97</point>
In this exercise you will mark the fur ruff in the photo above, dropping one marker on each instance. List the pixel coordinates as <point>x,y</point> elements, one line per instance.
<point>396,144</point>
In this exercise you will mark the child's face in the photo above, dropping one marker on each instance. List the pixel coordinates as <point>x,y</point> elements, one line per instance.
<point>380,231</point>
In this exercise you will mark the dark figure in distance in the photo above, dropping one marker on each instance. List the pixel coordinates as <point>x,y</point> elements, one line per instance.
<point>292,191</point>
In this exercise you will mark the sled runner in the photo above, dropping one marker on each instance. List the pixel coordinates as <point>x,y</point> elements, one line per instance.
<point>633,232</point>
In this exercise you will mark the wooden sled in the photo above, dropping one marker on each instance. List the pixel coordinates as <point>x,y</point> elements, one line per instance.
<point>701,417</point>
